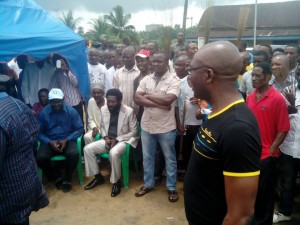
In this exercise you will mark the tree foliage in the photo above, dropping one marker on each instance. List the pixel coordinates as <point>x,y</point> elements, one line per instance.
<point>119,21</point>
<point>70,21</point>
<point>99,27</point>
<point>161,35</point>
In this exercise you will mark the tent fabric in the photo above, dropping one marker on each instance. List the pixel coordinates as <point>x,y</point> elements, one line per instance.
<point>26,28</point>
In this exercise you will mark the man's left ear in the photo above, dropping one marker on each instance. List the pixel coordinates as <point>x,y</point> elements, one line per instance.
<point>209,76</point>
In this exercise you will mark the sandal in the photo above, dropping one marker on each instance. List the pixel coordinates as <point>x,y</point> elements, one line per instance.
<point>142,191</point>
<point>173,196</point>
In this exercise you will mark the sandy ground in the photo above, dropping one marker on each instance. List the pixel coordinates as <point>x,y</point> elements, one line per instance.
<point>96,207</point>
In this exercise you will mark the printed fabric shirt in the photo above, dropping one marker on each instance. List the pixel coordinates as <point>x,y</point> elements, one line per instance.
<point>291,144</point>
<point>98,75</point>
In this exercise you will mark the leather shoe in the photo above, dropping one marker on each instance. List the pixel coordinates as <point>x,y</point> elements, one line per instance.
<point>116,189</point>
<point>94,183</point>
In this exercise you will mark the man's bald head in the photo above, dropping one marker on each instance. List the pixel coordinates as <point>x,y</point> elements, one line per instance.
<point>283,59</point>
<point>280,67</point>
<point>181,58</point>
<point>129,50</point>
<point>214,71</point>
<point>246,61</point>
<point>128,57</point>
<point>221,56</point>
<point>245,55</point>
<point>94,56</point>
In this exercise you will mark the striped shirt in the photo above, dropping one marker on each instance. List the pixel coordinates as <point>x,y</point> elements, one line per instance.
<point>21,190</point>
<point>37,107</point>
<point>68,83</point>
<point>124,80</point>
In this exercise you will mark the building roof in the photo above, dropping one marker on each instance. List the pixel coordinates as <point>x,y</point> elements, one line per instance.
<point>273,20</point>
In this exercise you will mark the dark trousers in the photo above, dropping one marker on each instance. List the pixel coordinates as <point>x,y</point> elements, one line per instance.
<point>288,169</point>
<point>264,205</point>
<point>187,145</point>
<point>44,155</point>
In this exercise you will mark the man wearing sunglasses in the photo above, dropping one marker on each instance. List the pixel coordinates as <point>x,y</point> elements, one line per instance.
<point>222,175</point>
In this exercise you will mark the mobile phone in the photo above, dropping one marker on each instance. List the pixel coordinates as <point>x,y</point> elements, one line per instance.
<point>58,64</point>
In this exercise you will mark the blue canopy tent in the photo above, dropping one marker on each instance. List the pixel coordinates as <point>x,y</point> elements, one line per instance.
<point>26,28</point>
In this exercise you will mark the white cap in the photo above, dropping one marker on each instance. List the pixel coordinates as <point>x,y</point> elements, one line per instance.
<point>56,93</point>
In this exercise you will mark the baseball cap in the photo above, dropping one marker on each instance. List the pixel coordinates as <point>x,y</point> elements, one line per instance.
<point>56,93</point>
<point>143,54</point>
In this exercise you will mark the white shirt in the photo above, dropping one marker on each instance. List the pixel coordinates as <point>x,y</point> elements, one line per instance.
<point>34,79</point>
<point>14,66</point>
<point>111,74</point>
<point>94,115</point>
<point>291,144</point>
<point>186,92</point>
<point>246,84</point>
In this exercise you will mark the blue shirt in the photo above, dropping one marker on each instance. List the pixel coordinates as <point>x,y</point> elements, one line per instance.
<point>21,190</point>
<point>57,126</point>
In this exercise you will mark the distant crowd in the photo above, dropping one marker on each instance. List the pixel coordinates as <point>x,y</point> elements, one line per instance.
<point>161,105</point>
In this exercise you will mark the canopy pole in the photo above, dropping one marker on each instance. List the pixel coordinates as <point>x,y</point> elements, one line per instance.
<point>255,22</point>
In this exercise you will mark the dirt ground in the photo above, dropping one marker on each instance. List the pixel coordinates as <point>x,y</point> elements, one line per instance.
<point>96,207</point>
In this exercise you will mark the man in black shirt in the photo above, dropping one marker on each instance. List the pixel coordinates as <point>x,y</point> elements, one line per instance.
<point>222,176</point>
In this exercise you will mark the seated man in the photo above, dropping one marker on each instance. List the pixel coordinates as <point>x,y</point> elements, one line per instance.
<point>118,127</point>
<point>60,126</point>
<point>43,101</point>
<point>94,105</point>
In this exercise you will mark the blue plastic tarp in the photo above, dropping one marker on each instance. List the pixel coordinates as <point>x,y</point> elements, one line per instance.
<point>26,28</point>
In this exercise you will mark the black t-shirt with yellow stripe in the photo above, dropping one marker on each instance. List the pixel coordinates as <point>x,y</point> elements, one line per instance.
<point>228,144</point>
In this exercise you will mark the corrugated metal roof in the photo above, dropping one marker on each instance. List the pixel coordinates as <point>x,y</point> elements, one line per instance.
<point>280,14</point>
<point>273,20</point>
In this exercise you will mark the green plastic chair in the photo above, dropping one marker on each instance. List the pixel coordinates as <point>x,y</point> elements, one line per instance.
<point>61,157</point>
<point>124,161</point>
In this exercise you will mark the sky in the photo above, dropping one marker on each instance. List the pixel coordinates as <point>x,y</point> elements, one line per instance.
<point>166,12</point>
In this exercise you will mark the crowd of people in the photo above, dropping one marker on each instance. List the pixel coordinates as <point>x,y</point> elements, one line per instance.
<point>221,119</point>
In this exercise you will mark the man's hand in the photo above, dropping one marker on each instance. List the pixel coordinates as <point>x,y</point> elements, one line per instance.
<point>166,107</point>
<point>193,100</point>
<point>107,142</point>
<point>55,146</point>
<point>292,109</point>
<point>63,145</point>
<point>113,143</point>
<point>199,115</point>
<point>181,129</point>
<point>290,96</point>
<point>95,132</point>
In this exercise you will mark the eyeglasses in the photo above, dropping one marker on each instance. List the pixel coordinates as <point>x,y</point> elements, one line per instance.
<point>188,70</point>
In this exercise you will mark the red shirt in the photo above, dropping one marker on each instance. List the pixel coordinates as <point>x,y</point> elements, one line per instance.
<point>272,117</point>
